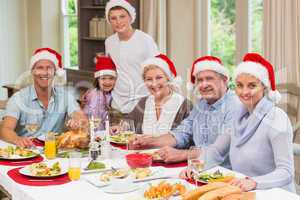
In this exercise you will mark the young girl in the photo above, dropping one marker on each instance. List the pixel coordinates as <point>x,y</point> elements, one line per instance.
<point>99,98</point>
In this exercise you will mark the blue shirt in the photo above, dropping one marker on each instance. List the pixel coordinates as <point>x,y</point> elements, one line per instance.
<point>206,122</point>
<point>27,109</point>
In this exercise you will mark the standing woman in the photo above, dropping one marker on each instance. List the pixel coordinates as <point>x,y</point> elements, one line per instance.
<point>128,48</point>
<point>165,107</point>
<point>261,145</point>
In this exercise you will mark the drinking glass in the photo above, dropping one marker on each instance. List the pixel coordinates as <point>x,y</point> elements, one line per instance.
<point>32,125</point>
<point>127,128</point>
<point>74,165</point>
<point>196,161</point>
<point>50,146</point>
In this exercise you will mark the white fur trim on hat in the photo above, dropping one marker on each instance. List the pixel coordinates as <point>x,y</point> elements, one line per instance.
<point>105,72</point>
<point>274,96</point>
<point>122,3</point>
<point>254,69</point>
<point>60,72</point>
<point>43,55</point>
<point>210,65</point>
<point>161,64</point>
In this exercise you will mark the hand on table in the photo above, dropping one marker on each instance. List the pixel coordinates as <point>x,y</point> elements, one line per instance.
<point>246,184</point>
<point>171,155</point>
<point>23,141</point>
<point>141,142</point>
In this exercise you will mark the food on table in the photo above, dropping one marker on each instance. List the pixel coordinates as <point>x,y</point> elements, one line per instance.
<point>139,160</point>
<point>122,138</point>
<point>73,139</point>
<point>65,154</point>
<point>115,173</point>
<point>95,165</point>
<point>216,176</point>
<point>218,191</point>
<point>141,173</point>
<point>164,190</point>
<point>11,152</point>
<point>42,169</point>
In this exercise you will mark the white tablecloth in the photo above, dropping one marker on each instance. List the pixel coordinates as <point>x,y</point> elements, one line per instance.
<point>82,190</point>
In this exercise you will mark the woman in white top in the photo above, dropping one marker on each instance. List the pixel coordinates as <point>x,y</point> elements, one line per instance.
<point>165,107</point>
<point>128,48</point>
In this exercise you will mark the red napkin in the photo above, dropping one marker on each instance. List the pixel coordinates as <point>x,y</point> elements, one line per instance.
<point>38,143</point>
<point>21,162</point>
<point>169,165</point>
<point>120,146</point>
<point>31,181</point>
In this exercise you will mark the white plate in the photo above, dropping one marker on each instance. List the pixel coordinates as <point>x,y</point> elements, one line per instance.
<point>26,171</point>
<point>121,188</point>
<point>223,170</point>
<point>85,171</point>
<point>171,181</point>
<point>157,172</point>
<point>16,157</point>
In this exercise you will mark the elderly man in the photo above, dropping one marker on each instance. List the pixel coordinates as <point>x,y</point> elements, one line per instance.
<point>211,116</point>
<point>41,107</point>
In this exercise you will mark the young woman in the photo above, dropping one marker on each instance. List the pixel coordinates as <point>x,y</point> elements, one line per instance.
<point>164,108</point>
<point>99,98</point>
<point>128,48</point>
<point>261,145</point>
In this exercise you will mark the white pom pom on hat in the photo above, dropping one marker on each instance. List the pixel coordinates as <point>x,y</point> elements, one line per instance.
<point>257,66</point>
<point>51,55</point>
<point>122,3</point>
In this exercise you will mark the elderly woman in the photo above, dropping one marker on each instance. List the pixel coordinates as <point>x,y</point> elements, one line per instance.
<point>164,108</point>
<point>261,146</point>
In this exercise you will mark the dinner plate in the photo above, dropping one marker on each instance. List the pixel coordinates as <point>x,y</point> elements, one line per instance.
<point>121,188</point>
<point>157,172</point>
<point>26,171</point>
<point>17,157</point>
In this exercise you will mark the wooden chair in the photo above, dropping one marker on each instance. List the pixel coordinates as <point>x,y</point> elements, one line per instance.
<point>292,108</point>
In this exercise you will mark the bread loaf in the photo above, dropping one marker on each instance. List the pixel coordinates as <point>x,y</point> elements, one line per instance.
<point>242,196</point>
<point>221,193</point>
<point>195,194</point>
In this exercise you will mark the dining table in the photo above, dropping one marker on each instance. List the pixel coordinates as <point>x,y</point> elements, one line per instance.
<point>83,189</point>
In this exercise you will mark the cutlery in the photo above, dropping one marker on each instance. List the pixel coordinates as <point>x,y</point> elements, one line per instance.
<point>151,179</point>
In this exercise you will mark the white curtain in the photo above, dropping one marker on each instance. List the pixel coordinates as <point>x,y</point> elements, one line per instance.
<point>153,21</point>
<point>282,38</point>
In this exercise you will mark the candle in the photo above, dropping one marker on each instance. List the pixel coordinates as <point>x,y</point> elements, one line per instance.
<point>107,128</point>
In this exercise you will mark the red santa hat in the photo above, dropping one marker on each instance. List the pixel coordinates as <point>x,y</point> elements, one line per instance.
<point>166,64</point>
<point>122,3</point>
<point>206,63</point>
<point>255,65</point>
<point>51,55</point>
<point>105,66</point>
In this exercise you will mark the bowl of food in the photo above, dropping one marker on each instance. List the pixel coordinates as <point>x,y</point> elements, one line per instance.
<point>139,160</point>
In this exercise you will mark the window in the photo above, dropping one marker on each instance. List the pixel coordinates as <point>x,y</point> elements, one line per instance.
<point>70,33</point>
<point>256,13</point>
<point>232,22</point>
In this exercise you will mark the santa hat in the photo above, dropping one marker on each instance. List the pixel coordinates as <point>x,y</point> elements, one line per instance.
<point>122,3</point>
<point>105,66</point>
<point>206,63</point>
<point>163,62</point>
<point>254,64</point>
<point>51,55</point>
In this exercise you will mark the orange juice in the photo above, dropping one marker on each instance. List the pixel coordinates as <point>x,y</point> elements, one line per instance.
<point>50,149</point>
<point>74,173</point>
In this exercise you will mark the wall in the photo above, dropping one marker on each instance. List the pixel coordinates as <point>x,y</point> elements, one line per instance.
<point>181,34</point>
<point>13,41</point>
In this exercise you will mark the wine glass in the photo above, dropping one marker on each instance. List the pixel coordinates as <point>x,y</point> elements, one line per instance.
<point>196,161</point>
<point>32,125</point>
<point>127,130</point>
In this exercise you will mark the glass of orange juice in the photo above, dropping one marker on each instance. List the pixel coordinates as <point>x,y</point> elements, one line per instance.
<point>74,165</point>
<point>50,146</point>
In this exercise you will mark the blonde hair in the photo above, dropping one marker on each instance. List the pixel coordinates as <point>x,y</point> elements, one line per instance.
<point>150,67</point>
